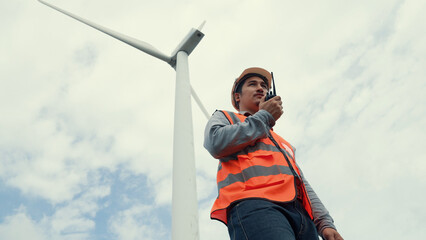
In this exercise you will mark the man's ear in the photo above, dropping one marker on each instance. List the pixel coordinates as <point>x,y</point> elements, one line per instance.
<point>237,96</point>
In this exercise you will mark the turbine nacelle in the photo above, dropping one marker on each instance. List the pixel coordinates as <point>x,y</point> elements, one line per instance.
<point>187,45</point>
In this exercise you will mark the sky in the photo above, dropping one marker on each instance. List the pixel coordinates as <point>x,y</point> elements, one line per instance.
<point>86,121</point>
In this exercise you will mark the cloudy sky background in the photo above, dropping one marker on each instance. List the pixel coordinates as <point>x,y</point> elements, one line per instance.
<point>86,122</point>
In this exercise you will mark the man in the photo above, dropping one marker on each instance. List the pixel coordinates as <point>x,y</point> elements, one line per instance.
<point>262,191</point>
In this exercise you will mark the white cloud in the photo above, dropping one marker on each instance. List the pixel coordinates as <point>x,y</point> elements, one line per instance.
<point>70,220</point>
<point>75,218</point>
<point>20,226</point>
<point>137,222</point>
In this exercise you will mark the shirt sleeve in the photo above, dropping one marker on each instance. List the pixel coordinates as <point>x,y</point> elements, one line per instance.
<point>322,218</point>
<point>222,139</point>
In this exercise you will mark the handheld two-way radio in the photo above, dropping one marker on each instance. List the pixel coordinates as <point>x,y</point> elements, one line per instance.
<point>271,93</point>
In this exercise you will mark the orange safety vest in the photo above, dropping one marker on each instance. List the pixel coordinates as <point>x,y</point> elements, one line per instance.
<point>262,171</point>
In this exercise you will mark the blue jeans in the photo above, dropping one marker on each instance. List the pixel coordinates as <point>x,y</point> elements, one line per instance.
<point>255,219</point>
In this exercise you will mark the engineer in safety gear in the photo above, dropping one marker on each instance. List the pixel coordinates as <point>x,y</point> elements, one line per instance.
<point>262,193</point>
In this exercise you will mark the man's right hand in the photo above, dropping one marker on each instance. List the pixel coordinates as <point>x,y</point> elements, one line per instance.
<point>273,106</point>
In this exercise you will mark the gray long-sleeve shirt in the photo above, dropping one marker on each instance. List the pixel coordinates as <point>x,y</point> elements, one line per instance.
<point>222,139</point>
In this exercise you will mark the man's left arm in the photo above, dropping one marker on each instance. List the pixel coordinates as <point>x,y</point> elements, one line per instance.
<point>322,219</point>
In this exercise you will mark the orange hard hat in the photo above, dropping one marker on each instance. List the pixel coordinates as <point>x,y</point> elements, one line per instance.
<point>250,72</point>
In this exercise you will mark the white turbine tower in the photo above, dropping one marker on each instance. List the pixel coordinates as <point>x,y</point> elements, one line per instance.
<point>184,196</point>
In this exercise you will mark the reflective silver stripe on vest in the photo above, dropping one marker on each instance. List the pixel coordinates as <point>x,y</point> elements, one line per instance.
<point>254,171</point>
<point>250,149</point>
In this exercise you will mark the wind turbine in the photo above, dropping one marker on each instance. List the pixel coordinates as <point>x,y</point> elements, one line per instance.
<point>184,196</point>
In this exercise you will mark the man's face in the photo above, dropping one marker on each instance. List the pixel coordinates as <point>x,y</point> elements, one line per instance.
<point>253,90</point>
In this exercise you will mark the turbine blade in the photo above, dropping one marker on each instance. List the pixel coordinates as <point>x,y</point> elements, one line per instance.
<point>201,26</point>
<point>143,46</point>
<point>200,104</point>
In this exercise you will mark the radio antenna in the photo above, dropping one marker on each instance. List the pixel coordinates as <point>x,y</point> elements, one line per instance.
<point>273,84</point>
